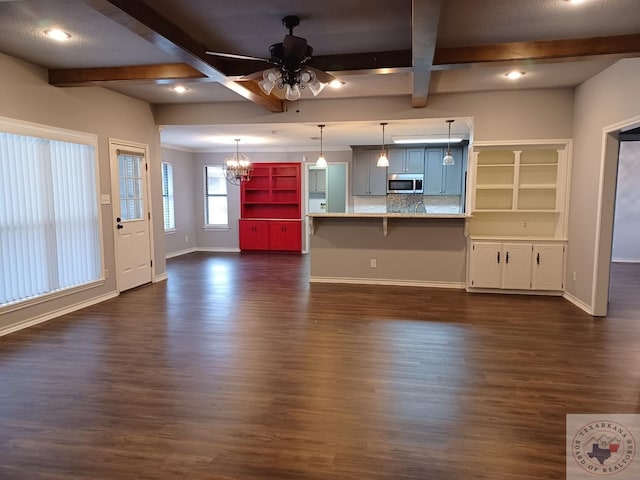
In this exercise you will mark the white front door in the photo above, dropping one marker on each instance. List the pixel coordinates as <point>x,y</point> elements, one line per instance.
<point>132,219</point>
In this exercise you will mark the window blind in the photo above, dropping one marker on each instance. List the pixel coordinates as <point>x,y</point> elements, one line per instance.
<point>49,231</point>
<point>167,197</point>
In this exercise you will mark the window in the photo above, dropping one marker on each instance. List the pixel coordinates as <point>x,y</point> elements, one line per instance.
<point>167,197</point>
<point>49,218</point>
<point>215,202</point>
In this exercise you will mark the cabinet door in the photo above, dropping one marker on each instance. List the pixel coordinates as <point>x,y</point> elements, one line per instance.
<point>360,177</point>
<point>317,182</point>
<point>285,236</point>
<point>377,178</point>
<point>254,234</point>
<point>396,160</point>
<point>485,266</point>
<point>548,266</point>
<point>414,160</point>
<point>452,174</point>
<point>517,266</point>
<point>433,164</point>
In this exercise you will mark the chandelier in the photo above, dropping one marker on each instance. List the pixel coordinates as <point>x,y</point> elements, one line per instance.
<point>237,167</point>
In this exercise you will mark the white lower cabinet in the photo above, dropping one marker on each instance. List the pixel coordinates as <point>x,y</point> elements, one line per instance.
<point>516,265</point>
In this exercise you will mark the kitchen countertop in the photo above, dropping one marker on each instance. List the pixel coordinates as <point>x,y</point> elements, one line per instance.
<point>384,217</point>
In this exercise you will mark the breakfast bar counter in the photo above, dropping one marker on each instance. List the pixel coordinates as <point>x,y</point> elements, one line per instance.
<point>414,249</point>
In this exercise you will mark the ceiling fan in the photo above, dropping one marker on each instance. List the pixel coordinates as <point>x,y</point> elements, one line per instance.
<point>290,71</point>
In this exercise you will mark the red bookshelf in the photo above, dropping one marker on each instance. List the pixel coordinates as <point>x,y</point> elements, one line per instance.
<point>270,208</point>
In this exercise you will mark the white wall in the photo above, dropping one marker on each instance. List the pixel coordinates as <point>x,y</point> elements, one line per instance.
<point>608,98</point>
<point>26,95</point>
<point>626,229</point>
<point>184,178</point>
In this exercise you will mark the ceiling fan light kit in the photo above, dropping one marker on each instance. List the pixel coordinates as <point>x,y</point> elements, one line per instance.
<point>290,71</point>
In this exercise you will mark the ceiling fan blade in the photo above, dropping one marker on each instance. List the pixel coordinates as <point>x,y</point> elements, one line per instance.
<point>239,57</point>
<point>322,76</point>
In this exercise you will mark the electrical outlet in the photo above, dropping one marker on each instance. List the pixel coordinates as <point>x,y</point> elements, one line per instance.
<point>575,276</point>
<point>186,238</point>
<point>106,273</point>
<point>373,263</point>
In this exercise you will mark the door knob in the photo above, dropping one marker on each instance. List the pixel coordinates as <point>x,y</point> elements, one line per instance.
<point>119,226</point>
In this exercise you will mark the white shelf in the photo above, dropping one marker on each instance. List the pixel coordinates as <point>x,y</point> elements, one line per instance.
<point>538,186</point>
<point>497,186</point>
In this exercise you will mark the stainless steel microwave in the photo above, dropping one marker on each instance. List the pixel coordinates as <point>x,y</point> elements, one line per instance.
<point>405,183</point>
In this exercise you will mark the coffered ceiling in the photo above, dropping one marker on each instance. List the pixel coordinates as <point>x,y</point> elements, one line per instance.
<point>376,48</point>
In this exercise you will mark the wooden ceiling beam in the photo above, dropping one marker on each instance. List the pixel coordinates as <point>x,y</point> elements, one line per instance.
<point>425,16</point>
<point>142,20</point>
<point>538,51</point>
<point>68,77</point>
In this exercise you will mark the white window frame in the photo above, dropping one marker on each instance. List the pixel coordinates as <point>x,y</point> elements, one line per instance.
<point>168,198</point>
<point>19,127</point>
<point>214,226</point>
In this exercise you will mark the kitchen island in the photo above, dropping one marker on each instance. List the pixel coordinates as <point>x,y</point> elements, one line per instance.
<point>416,249</point>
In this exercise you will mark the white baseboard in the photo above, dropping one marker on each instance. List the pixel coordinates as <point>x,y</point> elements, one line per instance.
<point>56,313</point>
<point>625,260</point>
<point>578,303</point>
<point>179,252</point>
<point>383,281</point>
<point>218,249</point>
<point>160,278</point>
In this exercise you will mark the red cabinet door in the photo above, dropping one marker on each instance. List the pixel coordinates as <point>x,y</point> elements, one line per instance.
<point>254,234</point>
<point>285,236</point>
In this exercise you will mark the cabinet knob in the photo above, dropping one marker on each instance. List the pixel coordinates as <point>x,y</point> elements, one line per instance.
<point>538,258</point>
<point>506,260</point>
<point>498,257</point>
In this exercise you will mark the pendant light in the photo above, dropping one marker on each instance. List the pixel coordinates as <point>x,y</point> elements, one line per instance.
<point>448,158</point>
<point>383,161</point>
<point>321,162</point>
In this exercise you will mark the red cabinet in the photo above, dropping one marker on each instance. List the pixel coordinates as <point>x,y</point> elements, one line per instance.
<point>270,208</point>
<point>254,234</point>
<point>285,236</point>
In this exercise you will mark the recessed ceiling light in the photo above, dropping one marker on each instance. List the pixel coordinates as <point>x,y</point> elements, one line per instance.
<point>514,75</point>
<point>179,89</point>
<point>336,83</point>
<point>57,34</point>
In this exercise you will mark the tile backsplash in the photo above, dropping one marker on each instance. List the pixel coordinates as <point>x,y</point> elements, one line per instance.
<point>408,203</point>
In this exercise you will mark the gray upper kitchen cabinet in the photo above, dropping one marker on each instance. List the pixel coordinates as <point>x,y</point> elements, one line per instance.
<point>406,160</point>
<point>443,179</point>
<point>368,179</point>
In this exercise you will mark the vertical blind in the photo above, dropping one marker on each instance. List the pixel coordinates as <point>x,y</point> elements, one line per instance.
<point>49,231</point>
<point>167,197</point>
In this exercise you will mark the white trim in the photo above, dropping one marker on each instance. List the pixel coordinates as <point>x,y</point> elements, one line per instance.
<point>506,291</point>
<point>160,278</point>
<point>179,253</point>
<point>625,260</point>
<point>47,297</point>
<point>214,228</point>
<point>578,303</point>
<point>515,143</point>
<point>381,281</point>
<point>218,249</point>
<point>20,127</point>
<point>55,313</point>
<point>595,288</point>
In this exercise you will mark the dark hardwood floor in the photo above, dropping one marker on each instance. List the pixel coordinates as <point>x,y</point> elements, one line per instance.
<point>237,368</point>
